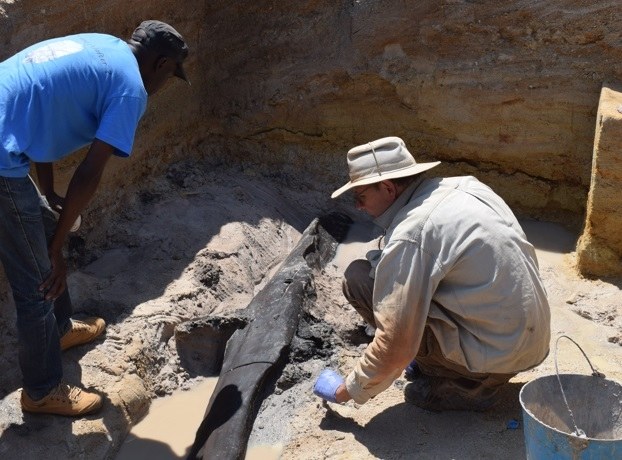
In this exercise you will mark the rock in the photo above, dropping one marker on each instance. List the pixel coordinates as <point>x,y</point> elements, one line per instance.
<point>599,251</point>
<point>201,342</point>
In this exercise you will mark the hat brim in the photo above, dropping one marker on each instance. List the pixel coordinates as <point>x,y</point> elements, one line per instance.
<point>410,171</point>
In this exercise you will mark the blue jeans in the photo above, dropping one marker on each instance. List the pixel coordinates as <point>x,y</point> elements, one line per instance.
<point>26,226</point>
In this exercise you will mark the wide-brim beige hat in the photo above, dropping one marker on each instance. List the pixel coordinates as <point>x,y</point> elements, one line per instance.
<point>382,159</point>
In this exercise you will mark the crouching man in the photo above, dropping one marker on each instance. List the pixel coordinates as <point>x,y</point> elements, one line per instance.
<point>454,295</point>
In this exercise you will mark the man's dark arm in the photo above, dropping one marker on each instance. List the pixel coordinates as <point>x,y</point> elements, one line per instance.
<point>81,189</point>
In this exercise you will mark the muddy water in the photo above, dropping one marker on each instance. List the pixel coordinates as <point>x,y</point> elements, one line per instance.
<point>168,431</point>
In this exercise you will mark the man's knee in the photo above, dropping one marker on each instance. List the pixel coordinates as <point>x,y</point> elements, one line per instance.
<point>356,284</point>
<point>357,273</point>
<point>358,289</point>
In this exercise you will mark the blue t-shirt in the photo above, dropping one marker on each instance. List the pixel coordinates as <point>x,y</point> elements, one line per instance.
<point>59,95</point>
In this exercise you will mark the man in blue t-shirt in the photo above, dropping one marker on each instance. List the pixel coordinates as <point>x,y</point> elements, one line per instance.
<point>56,97</point>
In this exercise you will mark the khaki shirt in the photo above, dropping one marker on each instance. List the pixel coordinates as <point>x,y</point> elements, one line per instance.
<point>455,259</point>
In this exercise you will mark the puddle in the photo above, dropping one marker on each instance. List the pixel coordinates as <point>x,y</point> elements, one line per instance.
<point>168,431</point>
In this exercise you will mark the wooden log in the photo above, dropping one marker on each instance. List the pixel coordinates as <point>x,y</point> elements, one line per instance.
<point>256,351</point>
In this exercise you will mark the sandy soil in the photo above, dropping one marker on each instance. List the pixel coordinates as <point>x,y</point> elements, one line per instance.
<point>388,428</point>
<point>197,242</point>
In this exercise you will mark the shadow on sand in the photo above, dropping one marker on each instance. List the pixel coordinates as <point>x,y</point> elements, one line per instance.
<point>405,431</point>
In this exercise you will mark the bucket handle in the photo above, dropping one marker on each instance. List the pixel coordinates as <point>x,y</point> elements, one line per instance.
<point>577,431</point>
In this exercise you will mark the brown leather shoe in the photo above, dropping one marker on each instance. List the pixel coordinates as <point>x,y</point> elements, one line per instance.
<point>63,400</point>
<point>82,331</point>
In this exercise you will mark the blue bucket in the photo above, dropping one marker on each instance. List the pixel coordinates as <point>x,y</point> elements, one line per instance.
<point>569,416</point>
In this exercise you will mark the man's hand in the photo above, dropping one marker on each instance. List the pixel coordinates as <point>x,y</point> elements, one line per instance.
<point>342,394</point>
<point>56,202</point>
<point>56,283</point>
<point>81,188</point>
<point>327,384</point>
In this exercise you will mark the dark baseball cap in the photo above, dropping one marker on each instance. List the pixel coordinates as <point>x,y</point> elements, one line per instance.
<point>165,40</point>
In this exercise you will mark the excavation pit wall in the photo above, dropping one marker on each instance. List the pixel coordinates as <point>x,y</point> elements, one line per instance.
<point>599,251</point>
<point>506,92</point>
<point>279,93</point>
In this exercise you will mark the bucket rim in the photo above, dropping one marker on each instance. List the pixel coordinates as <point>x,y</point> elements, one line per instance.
<point>532,415</point>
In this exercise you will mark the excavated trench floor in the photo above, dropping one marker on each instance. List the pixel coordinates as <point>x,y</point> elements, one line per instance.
<point>196,245</point>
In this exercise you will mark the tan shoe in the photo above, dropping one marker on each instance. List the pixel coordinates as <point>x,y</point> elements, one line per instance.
<point>82,331</point>
<point>63,400</point>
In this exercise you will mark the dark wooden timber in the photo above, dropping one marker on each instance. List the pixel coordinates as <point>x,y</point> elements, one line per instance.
<point>256,352</point>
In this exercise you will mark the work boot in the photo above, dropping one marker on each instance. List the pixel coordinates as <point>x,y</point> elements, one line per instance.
<point>412,371</point>
<point>63,400</point>
<point>440,394</point>
<point>82,331</point>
